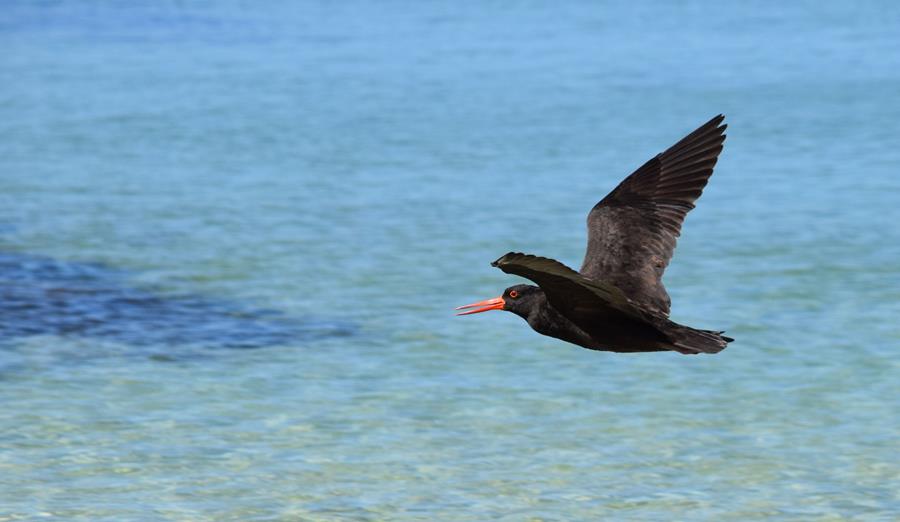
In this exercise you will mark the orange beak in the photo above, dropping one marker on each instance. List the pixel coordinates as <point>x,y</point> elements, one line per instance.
<point>496,303</point>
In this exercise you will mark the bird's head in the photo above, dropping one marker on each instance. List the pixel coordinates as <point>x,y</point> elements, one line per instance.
<point>518,299</point>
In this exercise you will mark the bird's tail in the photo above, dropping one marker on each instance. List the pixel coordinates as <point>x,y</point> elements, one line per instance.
<point>690,341</point>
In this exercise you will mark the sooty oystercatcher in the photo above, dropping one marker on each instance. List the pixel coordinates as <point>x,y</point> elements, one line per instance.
<point>617,301</point>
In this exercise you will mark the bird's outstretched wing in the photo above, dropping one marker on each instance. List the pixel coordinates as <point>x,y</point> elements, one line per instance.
<point>632,232</point>
<point>578,298</point>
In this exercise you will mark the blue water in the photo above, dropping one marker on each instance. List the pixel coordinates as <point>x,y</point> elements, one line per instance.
<point>232,235</point>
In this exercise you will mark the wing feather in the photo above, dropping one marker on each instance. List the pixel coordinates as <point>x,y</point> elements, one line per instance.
<point>633,231</point>
<point>577,297</point>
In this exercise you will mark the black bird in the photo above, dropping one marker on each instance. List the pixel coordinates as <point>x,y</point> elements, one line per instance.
<point>617,301</point>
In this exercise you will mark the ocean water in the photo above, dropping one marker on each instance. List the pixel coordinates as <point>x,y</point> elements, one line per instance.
<point>232,236</point>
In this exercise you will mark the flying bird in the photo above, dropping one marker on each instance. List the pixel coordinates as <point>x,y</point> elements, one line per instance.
<point>617,301</point>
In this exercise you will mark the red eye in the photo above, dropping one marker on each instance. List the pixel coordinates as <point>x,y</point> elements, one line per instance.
<point>514,293</point>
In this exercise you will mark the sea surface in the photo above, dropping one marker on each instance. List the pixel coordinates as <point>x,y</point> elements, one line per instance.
<point>232,235</point>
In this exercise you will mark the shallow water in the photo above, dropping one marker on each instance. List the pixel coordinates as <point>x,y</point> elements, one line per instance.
<point>325,183</point>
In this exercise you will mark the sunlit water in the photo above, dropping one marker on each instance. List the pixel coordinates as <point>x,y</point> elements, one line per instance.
<point>232,235</point>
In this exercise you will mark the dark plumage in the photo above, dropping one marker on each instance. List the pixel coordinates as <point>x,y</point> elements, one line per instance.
<point>617,301</point>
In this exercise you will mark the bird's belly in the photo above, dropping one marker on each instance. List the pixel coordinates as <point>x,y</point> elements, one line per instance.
<point>612,336</point>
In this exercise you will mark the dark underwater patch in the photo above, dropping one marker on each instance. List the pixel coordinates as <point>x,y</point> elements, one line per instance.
<point>44,296</point>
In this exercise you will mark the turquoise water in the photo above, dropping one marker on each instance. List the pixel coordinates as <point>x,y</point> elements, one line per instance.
<point>232,236</point>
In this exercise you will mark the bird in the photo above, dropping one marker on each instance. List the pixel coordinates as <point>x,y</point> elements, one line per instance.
<point>617,302</point>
